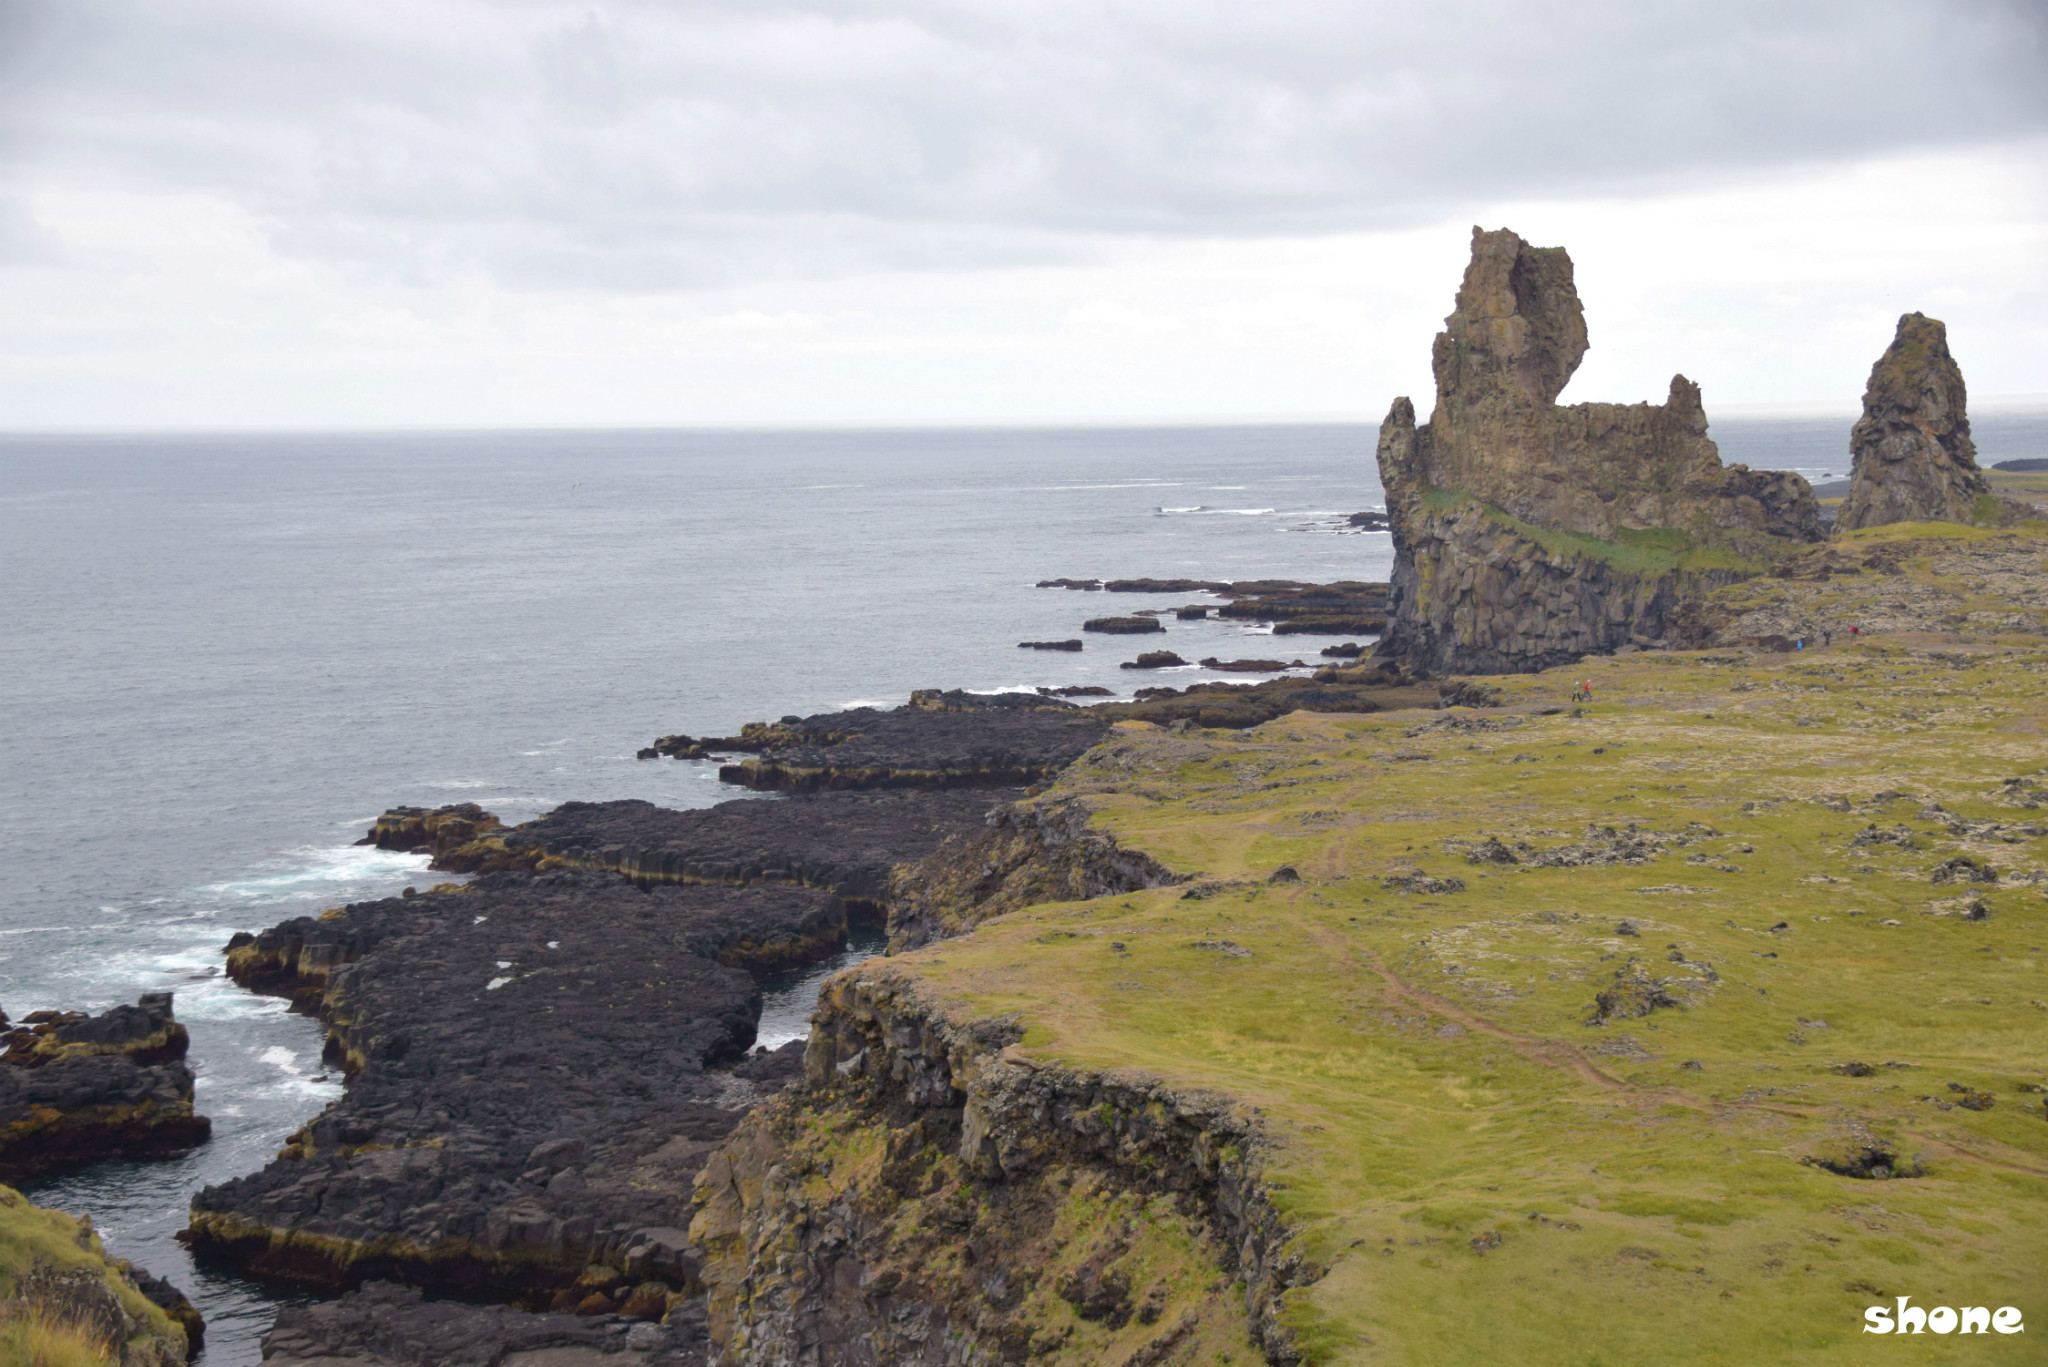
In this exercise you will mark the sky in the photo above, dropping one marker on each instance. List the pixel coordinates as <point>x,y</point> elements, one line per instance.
<point>507,213</point>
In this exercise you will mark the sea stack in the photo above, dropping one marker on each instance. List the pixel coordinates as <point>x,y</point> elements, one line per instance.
<point>1527,534</point>
<point>1914,460</point>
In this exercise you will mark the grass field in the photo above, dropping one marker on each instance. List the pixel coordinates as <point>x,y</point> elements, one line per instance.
<point>1574,1004</point>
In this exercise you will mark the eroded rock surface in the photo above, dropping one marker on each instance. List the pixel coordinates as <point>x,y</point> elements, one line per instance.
<point>931,1199</point>
<point>387,1325</point>
<point>1914,460</point>
<point>77,1089</point>
<point>1527,534</point>
<point>1023,853</point>
<point>845,843</point>
<point>531,1087</point>
<point>941,740</point>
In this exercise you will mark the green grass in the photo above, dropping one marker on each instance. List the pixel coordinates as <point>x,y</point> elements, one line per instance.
<point>1425,1064</point>
<point>32,1237</point>
<point>1648,551</point>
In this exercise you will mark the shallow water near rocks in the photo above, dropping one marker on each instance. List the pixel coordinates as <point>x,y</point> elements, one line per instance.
<point>225,655</point>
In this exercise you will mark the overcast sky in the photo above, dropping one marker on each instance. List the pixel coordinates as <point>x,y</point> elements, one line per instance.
<point>284,213</point>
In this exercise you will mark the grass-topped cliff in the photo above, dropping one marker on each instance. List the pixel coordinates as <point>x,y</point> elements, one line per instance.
<point>1675,1026</point>
<point>64,1303</point>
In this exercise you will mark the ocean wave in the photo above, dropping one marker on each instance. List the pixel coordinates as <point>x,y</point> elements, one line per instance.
<point>312,868</point>
<point>1204,510</point>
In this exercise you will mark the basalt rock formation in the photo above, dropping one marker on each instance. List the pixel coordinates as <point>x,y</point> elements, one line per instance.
<point>531,1084</point>
<point>844,843</point>
<point>1527,534</point>
<point>1024,853</point>
<point>941,740</point>
<point>388,1325</point>
<point>930,1198</point>
<point>435,831</point>
<point>77,1089</point>
<point>1913,457</point>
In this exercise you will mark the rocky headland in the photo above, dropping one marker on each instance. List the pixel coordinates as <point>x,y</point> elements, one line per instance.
<point>1528,534</point>
<point>78,1089</point>
<point>1685,994</point>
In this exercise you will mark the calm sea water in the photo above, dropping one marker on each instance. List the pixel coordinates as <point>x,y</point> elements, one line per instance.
<point>220,657</point>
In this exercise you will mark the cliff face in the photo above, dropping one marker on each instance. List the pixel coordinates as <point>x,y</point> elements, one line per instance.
<point>1914,460</point>
<point>932,1198</point>
<point>1527,534</point>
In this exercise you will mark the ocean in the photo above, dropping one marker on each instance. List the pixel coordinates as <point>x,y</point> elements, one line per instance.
<point>223,655</point>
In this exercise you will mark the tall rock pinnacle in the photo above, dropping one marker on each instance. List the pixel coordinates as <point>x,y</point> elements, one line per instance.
<point>1914,460</point>
<point>1526,534</point>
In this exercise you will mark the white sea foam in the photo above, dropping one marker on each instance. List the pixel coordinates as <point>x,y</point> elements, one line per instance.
<point>310,868</point>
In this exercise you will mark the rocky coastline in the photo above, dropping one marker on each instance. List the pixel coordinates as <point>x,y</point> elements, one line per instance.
<point>78,1089</point>
<point>1119,931</point>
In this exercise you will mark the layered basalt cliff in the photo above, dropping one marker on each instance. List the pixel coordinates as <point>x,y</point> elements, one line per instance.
<point>1526,533</point>
<point>78,1089</point>
<point>1025,852</point>
<point>1914,460</point>
<point>935,1197</point>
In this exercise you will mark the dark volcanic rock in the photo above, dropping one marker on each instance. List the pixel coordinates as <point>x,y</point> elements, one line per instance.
<point>1074,644</point>
<point>845,843</point>
<point>1251,666</point>
<point>529,1091</point>
<point>1078,691</point>
<point>86,1110</point>
<point>1527,534</point>
<point>1154,659</point>
<point>1123,626</point>
<point>145,1033</point>
<point>77,1089</point>
<point>1024,853</point>
<point>435,831</point>
<point>920,748</point>
<point>1913,457</point>
<point>1237,706</point>
<point>960,700</point>
<point>387,1324</point>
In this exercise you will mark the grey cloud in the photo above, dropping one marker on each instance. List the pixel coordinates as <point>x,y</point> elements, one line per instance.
<point>636,144</point>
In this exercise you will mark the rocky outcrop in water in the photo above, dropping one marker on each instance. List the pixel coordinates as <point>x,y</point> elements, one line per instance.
<point>531,1083</point>
<point>1527,534</point>
<point>78,1089</point>
<point>1913,457</point>
<point>999,1216</point>
<point>941,740</point>
<point>844,843</point>
<point>430,830</point>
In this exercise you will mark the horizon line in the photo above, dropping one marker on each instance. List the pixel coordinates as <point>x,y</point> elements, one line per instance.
<point>1738,411</point>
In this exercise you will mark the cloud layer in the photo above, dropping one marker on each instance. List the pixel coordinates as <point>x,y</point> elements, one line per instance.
<point>649,145</point>
<point>260,208</point>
